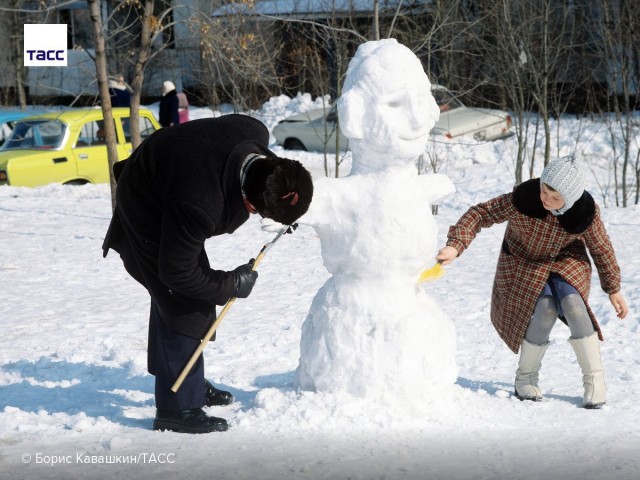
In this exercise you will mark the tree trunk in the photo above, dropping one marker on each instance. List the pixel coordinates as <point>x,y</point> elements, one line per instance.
<point>376,20</point>
<point>138,76</point>
<point>16,40</point>
<point>103,87</point>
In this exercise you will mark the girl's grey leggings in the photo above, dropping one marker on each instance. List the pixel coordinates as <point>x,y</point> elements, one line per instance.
<point>545,315</point>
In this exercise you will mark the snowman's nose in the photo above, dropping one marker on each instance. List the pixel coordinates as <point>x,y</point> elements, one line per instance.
<point>417,114</point>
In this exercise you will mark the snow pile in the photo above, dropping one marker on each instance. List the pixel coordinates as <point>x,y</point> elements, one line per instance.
<point>282,106</point>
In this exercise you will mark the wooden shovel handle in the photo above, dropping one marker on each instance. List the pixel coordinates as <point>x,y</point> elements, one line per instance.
<point>194,357</point>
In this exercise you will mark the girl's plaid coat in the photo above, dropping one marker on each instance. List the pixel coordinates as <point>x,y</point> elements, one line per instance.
<point>537,243</point>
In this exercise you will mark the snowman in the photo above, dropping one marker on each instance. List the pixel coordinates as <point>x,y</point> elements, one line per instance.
<point>371,331</point>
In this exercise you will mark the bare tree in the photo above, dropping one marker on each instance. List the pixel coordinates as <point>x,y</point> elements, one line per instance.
<point>103,87</point>
<point>238,56</point>
<point>17,48</point>
<point>330,42</point>
<point>139,26</point>
<point>621,48</point>
<point>517,55</point>
<point>132,33</point>
<point>508,51</point>
<point>17,13</point>
<point>150,27</point>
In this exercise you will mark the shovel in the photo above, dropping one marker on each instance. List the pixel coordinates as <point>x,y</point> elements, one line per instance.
<point>432,273</point>
<point>187,368</point>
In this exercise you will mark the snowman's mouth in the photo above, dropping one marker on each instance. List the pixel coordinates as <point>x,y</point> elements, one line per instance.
<point>413,137</point>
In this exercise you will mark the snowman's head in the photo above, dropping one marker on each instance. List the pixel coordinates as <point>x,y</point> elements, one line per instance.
<point>386,106</point>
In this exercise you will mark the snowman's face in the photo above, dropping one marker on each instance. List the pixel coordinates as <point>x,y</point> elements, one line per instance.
<point>388,109</point>
<point>398,118</point>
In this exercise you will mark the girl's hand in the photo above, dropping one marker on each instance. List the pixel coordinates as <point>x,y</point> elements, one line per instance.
<point>447,255</point>
<point>619,304</point>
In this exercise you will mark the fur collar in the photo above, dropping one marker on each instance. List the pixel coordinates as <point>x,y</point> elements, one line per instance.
<point>526,198</point>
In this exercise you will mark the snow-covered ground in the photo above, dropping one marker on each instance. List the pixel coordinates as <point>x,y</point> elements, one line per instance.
<point>76,401</point>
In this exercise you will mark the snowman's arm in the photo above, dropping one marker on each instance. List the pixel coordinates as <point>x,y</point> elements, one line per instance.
<point>437,186</point>
<point>324,205</point>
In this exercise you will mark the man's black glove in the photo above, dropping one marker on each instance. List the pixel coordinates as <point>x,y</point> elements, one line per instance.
<point>244,278</point>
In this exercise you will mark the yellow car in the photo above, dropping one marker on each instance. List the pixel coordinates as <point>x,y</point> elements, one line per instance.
<point>66,147</point>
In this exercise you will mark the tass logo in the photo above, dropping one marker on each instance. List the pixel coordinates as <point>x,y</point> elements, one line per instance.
<point>45,45</point>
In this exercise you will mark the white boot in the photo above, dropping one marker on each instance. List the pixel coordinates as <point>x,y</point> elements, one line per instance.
<point>526,383</point>
<point>588,353</point>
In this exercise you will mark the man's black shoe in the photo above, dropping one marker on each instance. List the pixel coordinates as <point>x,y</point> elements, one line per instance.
<point>194,420</point>
<point>214,397</point>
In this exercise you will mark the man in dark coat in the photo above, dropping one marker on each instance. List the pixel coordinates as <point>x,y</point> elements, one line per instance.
<point>181,186</point>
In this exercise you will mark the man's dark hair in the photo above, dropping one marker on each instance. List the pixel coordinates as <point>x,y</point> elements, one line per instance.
<point>279,188</point>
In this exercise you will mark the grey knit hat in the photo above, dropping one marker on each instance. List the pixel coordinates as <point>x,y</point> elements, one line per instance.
<point>565,176</point>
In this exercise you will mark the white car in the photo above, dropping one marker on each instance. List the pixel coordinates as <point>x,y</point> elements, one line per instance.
<point>481,124</point>
<point>316,130</point>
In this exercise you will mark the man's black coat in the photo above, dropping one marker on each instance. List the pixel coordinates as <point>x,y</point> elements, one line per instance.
<point>178,188</point>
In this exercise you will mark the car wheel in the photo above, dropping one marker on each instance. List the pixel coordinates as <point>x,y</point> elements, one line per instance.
<point>76,182</point>
<point>294,144</point>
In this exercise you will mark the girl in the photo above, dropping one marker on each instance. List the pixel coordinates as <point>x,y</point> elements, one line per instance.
<point>544,272</point>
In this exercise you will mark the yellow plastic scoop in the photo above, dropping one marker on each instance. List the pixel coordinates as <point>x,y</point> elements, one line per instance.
<point>432,273</point>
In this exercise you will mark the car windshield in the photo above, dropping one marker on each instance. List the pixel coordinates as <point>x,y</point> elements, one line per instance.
<point>41,134</point>
<point>446,100</point>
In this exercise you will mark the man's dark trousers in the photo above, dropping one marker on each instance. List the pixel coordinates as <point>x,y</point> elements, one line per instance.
<point>168,353</point>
